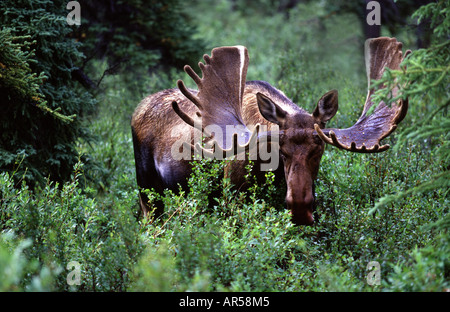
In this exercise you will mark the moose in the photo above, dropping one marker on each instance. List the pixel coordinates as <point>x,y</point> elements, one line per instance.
<point>259,114</point>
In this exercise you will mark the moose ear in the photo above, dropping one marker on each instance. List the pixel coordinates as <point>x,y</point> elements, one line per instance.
<point>269,110</point>
<point>326,107</point>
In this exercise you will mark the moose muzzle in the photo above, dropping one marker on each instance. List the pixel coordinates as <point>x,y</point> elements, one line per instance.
<point>301,209</point>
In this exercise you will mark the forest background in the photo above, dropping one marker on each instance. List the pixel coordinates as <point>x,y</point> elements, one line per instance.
<point>69,213</point>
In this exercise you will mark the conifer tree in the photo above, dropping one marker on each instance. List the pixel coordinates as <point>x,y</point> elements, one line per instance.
<point>425,82</point>
<point>42,110</point>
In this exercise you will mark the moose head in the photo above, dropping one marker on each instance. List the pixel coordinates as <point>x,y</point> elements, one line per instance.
<point>235,117</point>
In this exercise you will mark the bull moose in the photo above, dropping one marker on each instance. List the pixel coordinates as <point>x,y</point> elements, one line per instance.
<point>228,115</point>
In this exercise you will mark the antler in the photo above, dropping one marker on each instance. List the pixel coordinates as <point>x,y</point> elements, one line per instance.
<point>365,135</point>
<point>219,100</point>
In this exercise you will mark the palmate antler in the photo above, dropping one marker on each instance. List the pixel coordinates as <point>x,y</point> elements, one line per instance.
<point>219,101</point>
<point>365,135</point>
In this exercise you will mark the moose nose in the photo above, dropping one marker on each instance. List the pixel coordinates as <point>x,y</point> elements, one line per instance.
<point>303,217</point>
<point>301,210</point>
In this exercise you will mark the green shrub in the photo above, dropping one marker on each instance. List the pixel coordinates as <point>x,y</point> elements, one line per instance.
<point>212,246</point>
<point>15,268</point>
<point>63,224</point>
<point>426,268</point>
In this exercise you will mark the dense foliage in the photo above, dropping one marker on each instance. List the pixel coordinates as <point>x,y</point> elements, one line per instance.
<point>42,112</point>
<point>425,81</point>
<point>137,33</point>
<point>391,208</point>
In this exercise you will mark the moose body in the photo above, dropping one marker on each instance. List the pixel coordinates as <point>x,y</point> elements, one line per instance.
<point>224,98</point>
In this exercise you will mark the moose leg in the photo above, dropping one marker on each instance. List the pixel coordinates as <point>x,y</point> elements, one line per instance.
<point>147,177</point>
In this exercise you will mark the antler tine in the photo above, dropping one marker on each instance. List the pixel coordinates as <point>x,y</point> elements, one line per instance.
<point>188,69</point>
<point>187,119</point>
<point>187,93</point>
<point>207,59</point>
<point>218,152</point>
<point>322,135</point>
<point>365,135</point>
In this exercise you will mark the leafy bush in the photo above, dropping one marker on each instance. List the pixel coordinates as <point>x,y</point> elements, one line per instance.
<point>427,268</point>
<point>15,269</point>
<point>212,247</point>
<point>64,224</point>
